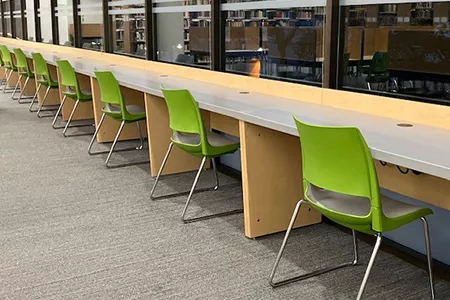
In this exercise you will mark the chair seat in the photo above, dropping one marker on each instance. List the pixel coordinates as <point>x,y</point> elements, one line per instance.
<point>399,213</point>
<point>86,94</point>
<point>137,112</point>
<point>191,142</point>
<point>44,82</point>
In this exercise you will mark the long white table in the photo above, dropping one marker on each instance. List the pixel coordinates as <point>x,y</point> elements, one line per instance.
<point>421,148</point>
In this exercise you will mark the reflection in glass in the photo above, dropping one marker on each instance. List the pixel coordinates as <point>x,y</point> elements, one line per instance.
<point>45,18</point>
<point>272,39</point>
<point>7,16</point>
<point>401,48</point>
<point>184,32</point>
<point>29,20</point>
<point>91,15</point>
<point>128,25</point>
<point>17,20</point>
<point>64,14</point>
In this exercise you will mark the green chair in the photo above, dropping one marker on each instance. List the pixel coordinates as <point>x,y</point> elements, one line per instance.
<point>191,136</point>
<point>24,71</point>
<point>340,181</point>
<point>378,72</point>
<point>43,78</point>
<point>2,63</point>
<point>115,107</point>
<point>8,65</point>
<point>73,91</point>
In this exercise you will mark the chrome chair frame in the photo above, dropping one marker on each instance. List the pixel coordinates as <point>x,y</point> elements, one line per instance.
<point>192,190</point>
<point>355,261</point>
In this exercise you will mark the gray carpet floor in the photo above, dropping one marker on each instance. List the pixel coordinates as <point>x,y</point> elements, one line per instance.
<point>72,229</point>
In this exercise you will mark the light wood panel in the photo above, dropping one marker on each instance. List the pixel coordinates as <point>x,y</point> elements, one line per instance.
<point>424,187</point>
<point>224,123</point>
<point>398,109</point>
<point>53,95</point>
<point>30,89</point>
<point>110,127</point>
<point>12,80</point>
<point>85,109</point>
<point>159,135</point>
<point>271,180</point>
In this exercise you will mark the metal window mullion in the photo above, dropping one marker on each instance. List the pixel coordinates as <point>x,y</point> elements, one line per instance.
<point>55,33</point>
<point>76,24</point>
<point>331,60</point>
<point>11,10</point>
<point>37,22</point>
<point>107,28</point>
<point>217,36</point>
<point>24,20</point>
<point>149,53</point>
<point>3,20</point>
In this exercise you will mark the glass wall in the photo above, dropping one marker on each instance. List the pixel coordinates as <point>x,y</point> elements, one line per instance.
<point>91,14</point>
<point>183,31</point>
<point>17,19</point>
<point>7,15</point>
<point>274,39</point>
<point>29,19</point>
<point>64,15</point>
<point>128,26</point>
<point>45,18</point>
<point>398,48</point>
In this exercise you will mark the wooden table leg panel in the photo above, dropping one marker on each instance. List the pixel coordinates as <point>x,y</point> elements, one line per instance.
<point>272,181</point>
<point>53,95</point>
<point>110,126</point>
<point>159,135</point>
<point>84,110</point>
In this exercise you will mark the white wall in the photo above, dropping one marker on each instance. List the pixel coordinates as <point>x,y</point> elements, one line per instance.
<point>46,21</point>
<point>94,14</point>
<point>30,19</point>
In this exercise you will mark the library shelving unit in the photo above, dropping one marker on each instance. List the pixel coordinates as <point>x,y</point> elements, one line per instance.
<point>196,33</point>
<point>129,32</point>
<point>387,15</point>
<point>422,14</point>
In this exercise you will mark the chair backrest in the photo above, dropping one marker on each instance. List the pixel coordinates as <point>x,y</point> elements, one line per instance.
<point>2,63</point>
<point>68,76</point>
<point>184,113</point>
<point>109,88</point>
<point>6,56</point>
<point>40,66</point>
<point>338,159</point>
<point>379,63</point>
<point>21,61</point>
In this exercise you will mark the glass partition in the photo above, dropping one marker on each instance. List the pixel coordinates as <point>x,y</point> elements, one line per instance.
<point>29,20</point>
<point>91,15</point>
<point>128,26</point>
<point>64,16</point>
<point>7,16</point>
<point>398,48</point>
<point>183,31</point>
<point>275,39</point>
<point>17,19</point>
<point>45,18</point>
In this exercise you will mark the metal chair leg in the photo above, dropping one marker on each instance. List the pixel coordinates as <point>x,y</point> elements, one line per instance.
<point>368,86</point>
<point>191,220</point>
<point>58,111</point>
<point>7,80</point>
<point>30,108</point>
<point>22,91</point>
<point>216,175</point>
<point>96,132</point>
<point>42,103</point>
<point>160,170</point>
<point>140,136</point>
<point>199,172</point>
<point>15,88</point>
<point>429,257</point>
<point>115,142</point>
<point>311,274</point>
<point>369,267</point>
<point>70,118</point>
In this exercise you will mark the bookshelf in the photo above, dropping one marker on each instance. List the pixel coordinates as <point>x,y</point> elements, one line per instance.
<point>196,28</point>
<point>129,32</point>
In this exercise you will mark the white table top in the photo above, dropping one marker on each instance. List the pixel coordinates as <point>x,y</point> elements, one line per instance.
<point>422,148</point>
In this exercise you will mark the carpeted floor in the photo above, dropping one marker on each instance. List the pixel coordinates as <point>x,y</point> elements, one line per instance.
<point>72,229</point>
